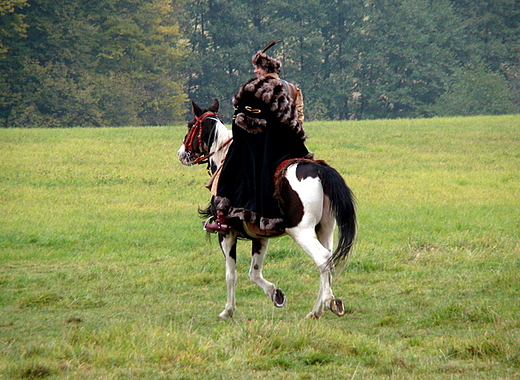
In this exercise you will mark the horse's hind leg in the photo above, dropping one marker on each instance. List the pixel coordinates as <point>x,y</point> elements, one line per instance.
<point>228,243</point>
<point>325,235</point>
<point>325,228</point>
<point>307,240</point>
<point>259,250</point>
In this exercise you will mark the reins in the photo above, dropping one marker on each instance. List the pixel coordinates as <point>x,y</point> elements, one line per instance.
<point>196,133</point>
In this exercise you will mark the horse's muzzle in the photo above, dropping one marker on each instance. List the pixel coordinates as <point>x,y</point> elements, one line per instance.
<point>186,158</point>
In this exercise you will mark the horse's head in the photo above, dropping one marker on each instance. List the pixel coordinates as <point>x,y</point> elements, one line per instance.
<point>195,147</point>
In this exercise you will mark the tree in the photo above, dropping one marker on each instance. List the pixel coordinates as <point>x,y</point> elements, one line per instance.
<point>221,34</point>
<point>495,25</point>
<point>476,91</point>
<point>12,29</point>
<point>12,25</point>
<point>353,59</point>
<point>102,62</point>
<point>134,62</point>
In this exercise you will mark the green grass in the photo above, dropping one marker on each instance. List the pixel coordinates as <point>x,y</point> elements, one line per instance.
<point>105,272</point>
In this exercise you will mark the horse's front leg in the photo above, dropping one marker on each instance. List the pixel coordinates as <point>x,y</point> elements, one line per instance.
<point>228,244</point>
<point>259,250</point>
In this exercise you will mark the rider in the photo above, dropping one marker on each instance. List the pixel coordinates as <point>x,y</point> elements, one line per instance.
<point>267,130</point>
<point>270,67</point>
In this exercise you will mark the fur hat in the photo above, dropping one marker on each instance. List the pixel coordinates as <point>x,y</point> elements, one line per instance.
<point>263,61</point>
<point>262,99</point>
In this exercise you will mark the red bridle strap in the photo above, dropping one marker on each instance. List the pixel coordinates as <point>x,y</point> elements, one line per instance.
<point>196,132</point>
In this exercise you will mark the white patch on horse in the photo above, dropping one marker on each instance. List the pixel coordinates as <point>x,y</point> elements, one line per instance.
<point>309,190</point>
<point>222,135</point>
<point>183,158</point>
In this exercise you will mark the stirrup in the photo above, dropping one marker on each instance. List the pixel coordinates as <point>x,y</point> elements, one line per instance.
<point>211,225</point>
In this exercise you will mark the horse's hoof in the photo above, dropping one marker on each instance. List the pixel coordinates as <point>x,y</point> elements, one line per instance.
<point>278,298</point>
<point>337,307</point>
<point>226,314</point>
<point>313,315</point>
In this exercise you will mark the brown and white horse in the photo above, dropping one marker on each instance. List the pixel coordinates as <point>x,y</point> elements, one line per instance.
<point>314,199</point>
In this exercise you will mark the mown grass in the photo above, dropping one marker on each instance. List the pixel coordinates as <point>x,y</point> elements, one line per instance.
<point>105,272</point>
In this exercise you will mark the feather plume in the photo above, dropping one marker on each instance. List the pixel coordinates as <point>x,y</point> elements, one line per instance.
<point>269,45</point>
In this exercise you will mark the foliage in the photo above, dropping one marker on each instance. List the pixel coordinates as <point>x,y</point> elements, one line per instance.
<point>476,91</point>
<point>104,62</point>
<point>106,272</point>
<point>12,23</point>
<point>134,62</point>
<point>354,59</point>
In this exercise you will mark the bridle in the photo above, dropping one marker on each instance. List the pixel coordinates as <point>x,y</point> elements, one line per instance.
<point>195,132</point>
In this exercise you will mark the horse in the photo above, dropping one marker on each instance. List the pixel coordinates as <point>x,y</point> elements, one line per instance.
<point>314,196</point>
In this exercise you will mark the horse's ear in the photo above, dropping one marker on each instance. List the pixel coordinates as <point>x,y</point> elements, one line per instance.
<point>196,109</point>
<point>214,107</point>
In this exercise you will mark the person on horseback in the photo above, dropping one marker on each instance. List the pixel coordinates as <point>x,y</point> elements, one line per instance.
<point>267,66</point>
<point>267,130</point>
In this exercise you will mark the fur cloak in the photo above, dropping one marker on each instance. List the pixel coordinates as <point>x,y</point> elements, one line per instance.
<point>266,132</point>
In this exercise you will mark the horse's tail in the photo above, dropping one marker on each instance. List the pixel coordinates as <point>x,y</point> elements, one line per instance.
<point>342,203</point>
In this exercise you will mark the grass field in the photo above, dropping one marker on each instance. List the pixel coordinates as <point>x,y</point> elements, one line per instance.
<point>105,272</point>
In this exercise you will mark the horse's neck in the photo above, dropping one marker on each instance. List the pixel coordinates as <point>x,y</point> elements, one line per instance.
<point>220,146</point>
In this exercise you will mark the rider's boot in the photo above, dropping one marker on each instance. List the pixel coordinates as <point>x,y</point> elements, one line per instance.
<point>217,224</point>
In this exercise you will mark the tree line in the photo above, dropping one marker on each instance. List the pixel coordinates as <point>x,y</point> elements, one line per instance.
<point>136,62</point>
<point>91,63</point>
